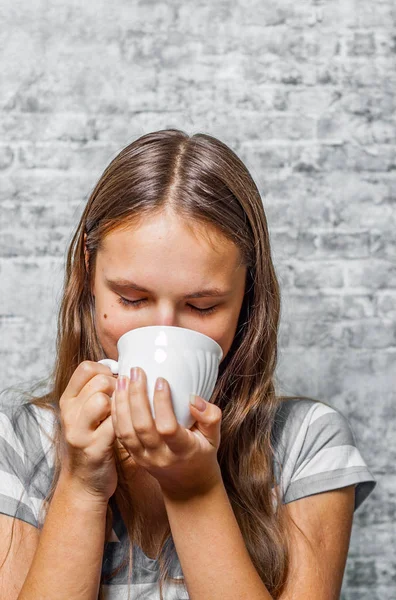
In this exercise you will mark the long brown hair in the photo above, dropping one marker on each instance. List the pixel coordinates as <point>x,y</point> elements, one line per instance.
<point>205,183</point>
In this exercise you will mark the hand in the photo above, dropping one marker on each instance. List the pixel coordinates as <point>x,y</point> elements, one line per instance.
<point>184,461</point>
<point>87,431</point>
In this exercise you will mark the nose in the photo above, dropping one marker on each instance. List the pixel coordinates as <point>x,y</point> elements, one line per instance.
<point>166,315</point>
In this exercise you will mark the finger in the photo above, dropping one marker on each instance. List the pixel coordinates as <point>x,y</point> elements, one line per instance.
<point>115,426</point>
<point>165,418</point>
<point>208,421</point>
<point>124,425</point>
<point>105,435</point>
<point>85,371</point>
<point>99,383</point>
<point>172,433</point>
<point>114,414</point>
<point>94,410</point>
<point>140,410</point>
<point>93,402</point>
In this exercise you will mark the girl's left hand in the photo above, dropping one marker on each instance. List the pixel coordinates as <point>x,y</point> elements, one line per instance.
<point>184,461</point>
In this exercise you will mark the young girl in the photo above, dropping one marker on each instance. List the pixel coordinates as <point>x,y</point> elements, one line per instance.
<point>98,499</point>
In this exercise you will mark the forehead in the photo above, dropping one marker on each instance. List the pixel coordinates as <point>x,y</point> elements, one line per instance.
<point>169,245</point>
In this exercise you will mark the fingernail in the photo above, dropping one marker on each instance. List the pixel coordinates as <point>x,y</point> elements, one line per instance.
<point>197,402</point>
<point>121,383</point>
<point>135,374</point>
<point>159,384</point>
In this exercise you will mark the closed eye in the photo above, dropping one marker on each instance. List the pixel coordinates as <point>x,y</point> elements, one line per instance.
<point>135,303</point>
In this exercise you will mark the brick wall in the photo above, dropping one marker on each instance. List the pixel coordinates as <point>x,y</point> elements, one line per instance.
<point>304,92</point>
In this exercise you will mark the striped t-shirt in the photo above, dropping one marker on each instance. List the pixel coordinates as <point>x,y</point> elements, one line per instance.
<point>315,452</point>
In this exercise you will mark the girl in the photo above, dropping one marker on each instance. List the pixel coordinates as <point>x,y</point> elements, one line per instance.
<point>99,500</point>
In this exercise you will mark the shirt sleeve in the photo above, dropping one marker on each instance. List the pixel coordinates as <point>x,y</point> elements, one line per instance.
<point>25,473</point>
<point>324,456</point>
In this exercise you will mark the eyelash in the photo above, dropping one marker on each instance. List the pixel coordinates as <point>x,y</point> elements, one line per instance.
<point>203,312</point>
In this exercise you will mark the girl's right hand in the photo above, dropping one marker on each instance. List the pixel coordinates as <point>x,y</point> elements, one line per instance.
<point>88,458</point>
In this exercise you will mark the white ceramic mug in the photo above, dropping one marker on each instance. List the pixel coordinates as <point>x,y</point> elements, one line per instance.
<point>187,359</point>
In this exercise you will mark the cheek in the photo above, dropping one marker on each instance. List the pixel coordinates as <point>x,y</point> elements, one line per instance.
<point>108,332</point>
<point>224,334</point>
<point>226,341</point>
<point>109,326</point>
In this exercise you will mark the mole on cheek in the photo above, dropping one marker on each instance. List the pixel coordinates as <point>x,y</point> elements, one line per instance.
<point>105,316</point>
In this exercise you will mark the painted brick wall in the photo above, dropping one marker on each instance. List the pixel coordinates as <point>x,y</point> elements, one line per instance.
<point>304,92</point>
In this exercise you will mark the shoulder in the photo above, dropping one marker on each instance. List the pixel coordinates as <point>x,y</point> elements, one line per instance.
<point>298,417</point>
<point>291,423</point>
<point>27,429</point>
<point>26,459</point>
<point>27,451</point>
<point>316,451</point>
<point>290,415</point>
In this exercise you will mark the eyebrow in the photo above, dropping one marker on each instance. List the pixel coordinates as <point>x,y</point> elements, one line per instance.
<point>125,284</point>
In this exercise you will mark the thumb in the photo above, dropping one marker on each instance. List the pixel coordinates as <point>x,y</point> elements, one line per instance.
<point>208,418</point>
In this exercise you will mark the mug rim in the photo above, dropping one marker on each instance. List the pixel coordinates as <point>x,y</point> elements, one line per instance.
<point>173,327</point>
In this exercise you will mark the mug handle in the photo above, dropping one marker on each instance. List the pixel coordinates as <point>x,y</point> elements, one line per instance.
<point>112,364</point>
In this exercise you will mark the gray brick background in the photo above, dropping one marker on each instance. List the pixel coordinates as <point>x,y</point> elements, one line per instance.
<point>304,92</point>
